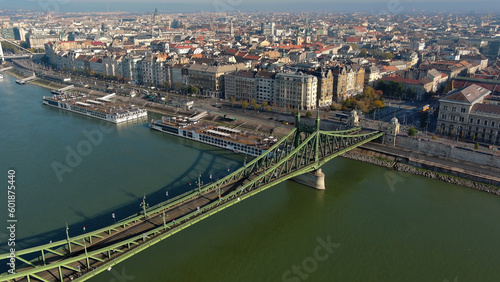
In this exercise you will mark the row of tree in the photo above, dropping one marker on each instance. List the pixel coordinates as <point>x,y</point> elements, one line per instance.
<point>369,101</point>
<point>264,106</point>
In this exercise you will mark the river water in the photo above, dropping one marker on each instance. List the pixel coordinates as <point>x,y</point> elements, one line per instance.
<point>371,224</point>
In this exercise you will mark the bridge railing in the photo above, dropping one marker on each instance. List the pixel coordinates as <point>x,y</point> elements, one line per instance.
<point>60,245</point>
<point>248,189</point>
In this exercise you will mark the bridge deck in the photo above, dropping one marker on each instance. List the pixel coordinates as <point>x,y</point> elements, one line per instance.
<point>141,227</point>
<point>93,253</point>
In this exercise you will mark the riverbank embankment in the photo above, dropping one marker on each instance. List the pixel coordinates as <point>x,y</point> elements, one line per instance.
<point>464,174</point>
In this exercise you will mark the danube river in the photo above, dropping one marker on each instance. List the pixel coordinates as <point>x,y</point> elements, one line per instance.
<point>78,170</point>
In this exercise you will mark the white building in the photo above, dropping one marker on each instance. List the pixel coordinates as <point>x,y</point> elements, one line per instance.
<point>296,90</point>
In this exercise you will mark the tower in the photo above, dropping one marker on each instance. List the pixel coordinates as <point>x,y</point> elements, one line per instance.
<point>391,132</point>
<point>155,15</point>
<point>308,36</point>
<point>353,119</point>
<point>231,30</point>
<point>299,40</point>
<point>1,53</point>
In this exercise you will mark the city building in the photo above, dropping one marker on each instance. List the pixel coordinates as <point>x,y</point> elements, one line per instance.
<point>265,87</point>
<point>465,113</point>
<point>348,81</point>
<point>324,93</point>
<point>240,85</point>
<point>419,87</point>
<point>154,70</point>
<point>296,90</point>
<point>267,28</point>
<point>210,78</point>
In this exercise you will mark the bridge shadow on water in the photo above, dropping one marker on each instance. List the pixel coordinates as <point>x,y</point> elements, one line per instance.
<point>207,163</point>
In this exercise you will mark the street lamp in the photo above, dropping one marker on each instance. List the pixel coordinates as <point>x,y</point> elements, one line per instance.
<point>144,205</point>
<point>200,183</point>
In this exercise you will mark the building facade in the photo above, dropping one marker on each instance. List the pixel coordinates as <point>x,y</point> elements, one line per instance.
<point>296,90</point>
<point>463,113</point>
<point>210,78</point>
<point>348,81</point>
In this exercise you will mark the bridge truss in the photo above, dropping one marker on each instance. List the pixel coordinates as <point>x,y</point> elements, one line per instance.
<point>302,150</point>
<point>15,44</point>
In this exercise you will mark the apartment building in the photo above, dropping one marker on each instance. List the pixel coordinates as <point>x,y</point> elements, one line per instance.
<point>466,113</point>
<point>296,90</point>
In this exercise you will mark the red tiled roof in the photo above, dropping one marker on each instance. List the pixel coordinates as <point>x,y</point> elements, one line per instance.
<point>353,39</point>
<point>252,57</point>
<point>402,80</point>
<point>486,108</point>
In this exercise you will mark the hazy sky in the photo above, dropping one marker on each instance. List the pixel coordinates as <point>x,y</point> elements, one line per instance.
<point>377,6</point>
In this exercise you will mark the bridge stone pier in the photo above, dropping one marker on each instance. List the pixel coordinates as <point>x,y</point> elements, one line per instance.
<point>315,179</point>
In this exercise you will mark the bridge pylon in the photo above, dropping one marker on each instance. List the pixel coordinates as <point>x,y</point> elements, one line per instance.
<point>315,178</point>
<point>1,53</point>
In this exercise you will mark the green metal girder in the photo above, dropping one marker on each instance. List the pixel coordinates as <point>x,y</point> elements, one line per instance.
<point>54,252</point>
<point>39,278</point>
<point>283,164</point>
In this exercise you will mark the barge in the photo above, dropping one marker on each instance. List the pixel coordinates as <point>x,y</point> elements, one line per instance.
<point>239,141</point>
<point>100,108</point>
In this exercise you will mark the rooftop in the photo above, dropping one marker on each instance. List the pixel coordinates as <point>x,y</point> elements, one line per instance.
<point>469,94</point>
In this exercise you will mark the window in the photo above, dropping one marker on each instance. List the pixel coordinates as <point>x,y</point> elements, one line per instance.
<point>462,119</point>
<point>445,108</point>
<point>485,122</point>
<point>471,120</point>
<point>462,110</point>
<point>453,109</point>
<point>492,123</point>
<point>443,116</point>
<point>478,121</point>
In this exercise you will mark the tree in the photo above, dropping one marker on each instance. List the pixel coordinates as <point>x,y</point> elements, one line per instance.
<point>267,108</point>
<point>370,93</point>
<point>363,53</point>
<point>412,131</point>
<point>410,93</point>
<point>309,114</point>
<point>295,111</point>
<point>177,85</point>
<point>253,104</point>
<point>378,104</point>
<point>476,146</point>
<point>244,104</point>
<point>164,85</point>
<point>264,104</point>
<point>387,56</point>
<point>336,106</point>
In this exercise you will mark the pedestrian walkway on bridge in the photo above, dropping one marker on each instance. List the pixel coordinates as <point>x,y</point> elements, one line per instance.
<point>302,151</point>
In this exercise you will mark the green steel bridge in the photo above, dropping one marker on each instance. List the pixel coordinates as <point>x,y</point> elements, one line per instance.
<point>303,150</point>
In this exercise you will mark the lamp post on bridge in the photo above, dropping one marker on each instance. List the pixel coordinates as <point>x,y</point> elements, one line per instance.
<point>67,237</point>
<point>199,184</point>
<point>144,205</point>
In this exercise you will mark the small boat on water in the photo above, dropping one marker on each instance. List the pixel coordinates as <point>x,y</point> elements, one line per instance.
<point>1,76</point>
